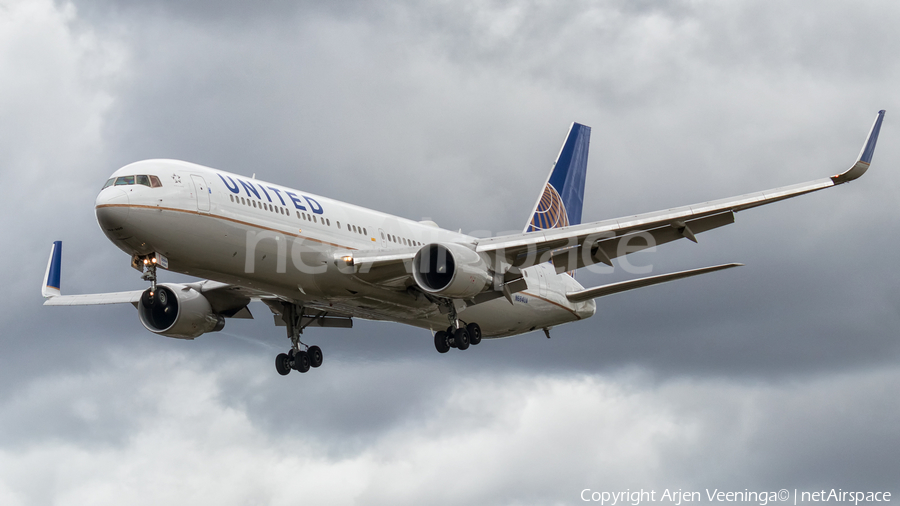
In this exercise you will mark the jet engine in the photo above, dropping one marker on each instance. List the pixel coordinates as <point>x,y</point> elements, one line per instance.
<point>450,270</point>
<point>178,311</point>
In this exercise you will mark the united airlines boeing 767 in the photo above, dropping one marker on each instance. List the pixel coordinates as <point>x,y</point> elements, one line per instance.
<point>318,262</point>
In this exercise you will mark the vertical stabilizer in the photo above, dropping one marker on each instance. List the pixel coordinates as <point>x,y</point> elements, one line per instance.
<point>562,198</point>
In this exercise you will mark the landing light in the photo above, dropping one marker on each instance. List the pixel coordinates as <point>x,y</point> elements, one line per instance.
<point>153,259</point>
<point>347,259</point>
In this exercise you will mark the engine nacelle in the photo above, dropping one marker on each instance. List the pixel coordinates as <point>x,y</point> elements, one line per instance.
<point>450,270</point>
<point>178,311</point>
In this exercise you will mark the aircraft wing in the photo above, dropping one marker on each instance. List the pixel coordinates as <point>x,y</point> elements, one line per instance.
<point>390,268</point>
<point>93,299</point>
<point>573,247</point>
<point>228,300</point>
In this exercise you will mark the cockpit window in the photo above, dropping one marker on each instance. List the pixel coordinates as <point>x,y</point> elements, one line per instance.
<point>150,181</point>
<point>109,183</point>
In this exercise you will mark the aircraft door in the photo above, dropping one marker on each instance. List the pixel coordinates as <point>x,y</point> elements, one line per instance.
<point>202,192</point>
<point>383,239</point>
<point>542,281</point>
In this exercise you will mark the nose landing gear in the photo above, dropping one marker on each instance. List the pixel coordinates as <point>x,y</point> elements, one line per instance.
<point>147,264</point>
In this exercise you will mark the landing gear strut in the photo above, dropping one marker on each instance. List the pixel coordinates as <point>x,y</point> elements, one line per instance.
<point>296,358</point>
<point>457,335</point>
<point>149,263</point>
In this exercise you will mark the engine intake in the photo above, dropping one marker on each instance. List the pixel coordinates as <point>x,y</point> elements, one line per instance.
<point>178,311</point>
<point>450,270</point>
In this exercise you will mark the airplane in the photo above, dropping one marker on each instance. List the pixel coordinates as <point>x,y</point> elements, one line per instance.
<point>318,262</point>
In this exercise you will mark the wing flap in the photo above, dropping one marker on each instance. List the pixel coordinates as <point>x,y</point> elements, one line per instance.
<point>603,250</point>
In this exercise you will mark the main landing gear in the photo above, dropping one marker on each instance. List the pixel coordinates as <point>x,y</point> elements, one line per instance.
<point>460,338</point>
<point>457,335</point>
<point>296,358</point>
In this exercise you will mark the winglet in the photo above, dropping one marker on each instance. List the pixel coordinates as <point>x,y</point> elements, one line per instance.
<point>50,287</point>
<point>865,155</point>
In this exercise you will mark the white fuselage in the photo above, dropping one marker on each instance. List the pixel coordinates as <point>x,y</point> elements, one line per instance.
<point>277,240</point>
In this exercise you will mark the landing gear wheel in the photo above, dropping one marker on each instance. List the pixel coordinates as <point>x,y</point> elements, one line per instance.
<point>283,364</point>
<point>461,337</point>
<point>442,341</point>
<point>474,333</point>
<point>301,361</point>
<point>315,356</point>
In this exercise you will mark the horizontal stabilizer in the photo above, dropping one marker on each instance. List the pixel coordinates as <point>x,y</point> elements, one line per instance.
<point>624,286</point>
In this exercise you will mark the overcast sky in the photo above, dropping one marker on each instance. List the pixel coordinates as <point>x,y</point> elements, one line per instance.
<point>784,373</point>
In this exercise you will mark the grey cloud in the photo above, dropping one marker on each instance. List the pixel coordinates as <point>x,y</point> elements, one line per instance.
<point>508,437</point>
<point>778,371</point>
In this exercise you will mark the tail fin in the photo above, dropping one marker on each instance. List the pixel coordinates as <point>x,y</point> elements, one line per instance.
<point>562,198</point>
<point>50,287</point>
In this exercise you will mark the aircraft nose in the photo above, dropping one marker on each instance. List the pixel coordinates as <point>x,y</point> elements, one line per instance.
<point>111,208</point>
